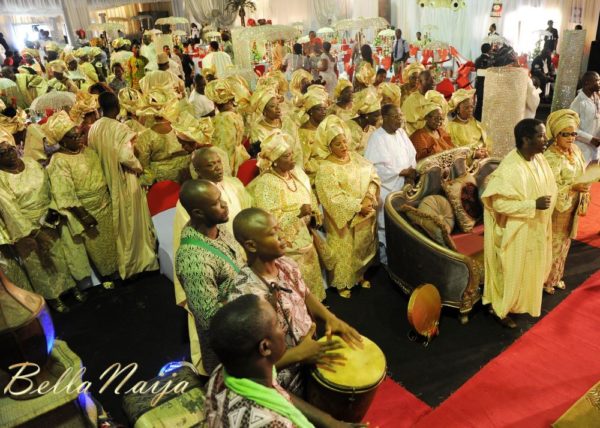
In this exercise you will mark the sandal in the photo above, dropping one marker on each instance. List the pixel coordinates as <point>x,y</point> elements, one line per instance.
<point>365,284</point>
<point>548,289</point>
<point>507,322</point>
<point>560,285</point>
<point>345,293</point>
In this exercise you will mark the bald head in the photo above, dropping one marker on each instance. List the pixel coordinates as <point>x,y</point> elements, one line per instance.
<point>202,201</point>
<point>249,224</point>
<point>208,164</point>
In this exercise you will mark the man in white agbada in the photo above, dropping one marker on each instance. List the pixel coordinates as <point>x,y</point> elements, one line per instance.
<point>394,158</point>
<point>148,51</point>
<point>587,105</point>
<point>162,78</point>
<point>519,200</point>
<point>202,105</point>
<point>206,164</point>
<point>217,60</point>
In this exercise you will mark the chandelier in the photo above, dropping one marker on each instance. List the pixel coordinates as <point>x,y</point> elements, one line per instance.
<point>450,4</point>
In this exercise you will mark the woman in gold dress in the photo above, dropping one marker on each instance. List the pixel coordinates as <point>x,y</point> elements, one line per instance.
<point>284,190</point>
<point>228,124</point>
<point>343,95</point>
<point>567,163</point>
<point>390,93</point>
<point>410,77</point>
<point>367,116</point>
<point>348,188</point>
<point>80,193</point>
<point>29,225</point>
<point>314,106</point>
<point>157,147</point>
<point>464,129</point>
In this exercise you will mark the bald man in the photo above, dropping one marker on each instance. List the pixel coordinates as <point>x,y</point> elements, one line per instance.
<point>207,260</point>
<point>272,275</point>
<point>248,339</point>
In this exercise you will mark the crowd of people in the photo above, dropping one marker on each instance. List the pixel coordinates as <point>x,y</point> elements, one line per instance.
<point>328,151</point>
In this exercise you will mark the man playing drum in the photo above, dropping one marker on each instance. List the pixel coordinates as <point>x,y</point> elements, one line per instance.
<point>276,277</point>
<point>248,339</point>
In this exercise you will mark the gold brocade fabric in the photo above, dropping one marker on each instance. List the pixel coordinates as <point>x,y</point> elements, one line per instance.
<point>564,217</point>
<point>517,238</point>
<point>136,241</point>
<point>77,181</point>
<point>228,135</point>
<point>360,137</point>
<point>411,107</point>
<point>162,157</point>
<point>261,130</point>
<point>343,113</point>
<point>24,200</point>
<point>467,134</point>
<point>351,237</point>
<point>307,139</point>
<point>135,125</point>
<point>284,198</point>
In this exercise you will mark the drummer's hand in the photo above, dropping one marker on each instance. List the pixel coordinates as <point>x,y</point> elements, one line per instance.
<point>342,329</point>
<point>313,352</point>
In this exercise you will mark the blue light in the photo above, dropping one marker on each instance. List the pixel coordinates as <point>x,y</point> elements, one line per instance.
<point>46,321</point>
<point>172,366</point>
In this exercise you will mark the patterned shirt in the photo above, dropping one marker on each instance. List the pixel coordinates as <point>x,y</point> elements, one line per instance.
<point>207,280</point>
<point>289,303</point>
<point>224,408</point>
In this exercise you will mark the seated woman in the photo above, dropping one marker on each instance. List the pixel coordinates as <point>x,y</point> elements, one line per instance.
<point>432,138</point>
<point>367,116</point>
<point>348,188</point>
<point>157,148</point>
<point>410,77</point>
<point>266,104</point>
<point>464,129</point>
<point>567,163</point>
<point>284,190</point>
<point>342,94</point>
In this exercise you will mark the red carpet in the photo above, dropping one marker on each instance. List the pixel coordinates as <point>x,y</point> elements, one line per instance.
<point>537,378</point>
<point>589,226</point>
<point>394,406</point>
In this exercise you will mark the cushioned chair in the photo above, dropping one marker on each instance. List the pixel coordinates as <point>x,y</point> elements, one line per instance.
<point>416,253</point>
<point>162,196</point>
<point>247,171</point>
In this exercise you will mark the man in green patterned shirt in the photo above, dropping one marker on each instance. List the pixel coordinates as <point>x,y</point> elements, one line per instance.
<point>208,258</point>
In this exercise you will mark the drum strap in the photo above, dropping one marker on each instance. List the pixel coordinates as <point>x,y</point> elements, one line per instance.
<point>274,289</point>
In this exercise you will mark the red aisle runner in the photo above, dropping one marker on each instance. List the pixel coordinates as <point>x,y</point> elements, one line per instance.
<point>539,376</point>
<point>395,407</point>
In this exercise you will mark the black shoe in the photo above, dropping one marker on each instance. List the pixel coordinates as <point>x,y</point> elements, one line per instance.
<point>507,322</point>
<point>58,305</point>
<point>79,295</point>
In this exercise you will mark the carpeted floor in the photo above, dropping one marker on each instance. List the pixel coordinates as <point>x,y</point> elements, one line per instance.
<point>141,323</point>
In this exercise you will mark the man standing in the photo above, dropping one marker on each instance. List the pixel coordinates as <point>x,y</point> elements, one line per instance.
<point>163,77</point>
<point>113,142</point>
<point>542,68</point>
<point>551,41</point>
<point>400,52</point>
<point>519,200</point>
<point>216,60</point>
<point>207,260</point>
<point>483,62</point>
<point>394,157</point>
<point>202,105</point>
<point>587,105</point>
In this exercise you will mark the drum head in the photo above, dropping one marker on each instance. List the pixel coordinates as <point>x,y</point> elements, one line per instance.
<point>363,368</point>
<point>424,308</point>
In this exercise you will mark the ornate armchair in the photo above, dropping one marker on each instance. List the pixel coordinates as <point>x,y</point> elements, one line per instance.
<point>454,265</point>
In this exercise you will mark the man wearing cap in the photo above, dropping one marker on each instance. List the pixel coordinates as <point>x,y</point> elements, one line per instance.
<point>161,78</point>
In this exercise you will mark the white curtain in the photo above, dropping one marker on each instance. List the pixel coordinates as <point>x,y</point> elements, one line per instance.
<point>520,23</point>
<point>107,4</point>
<point>31,7</point>
<point>212,11</point>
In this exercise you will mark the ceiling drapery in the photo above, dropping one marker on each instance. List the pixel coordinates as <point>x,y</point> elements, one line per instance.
<point>212,11</point>
<point>107,4</point>
<point>31,7</point>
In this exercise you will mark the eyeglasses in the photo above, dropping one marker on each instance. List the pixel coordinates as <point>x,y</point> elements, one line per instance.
<point>568,134</point>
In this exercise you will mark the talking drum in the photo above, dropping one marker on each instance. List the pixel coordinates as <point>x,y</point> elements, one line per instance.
<point>347,394</point>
